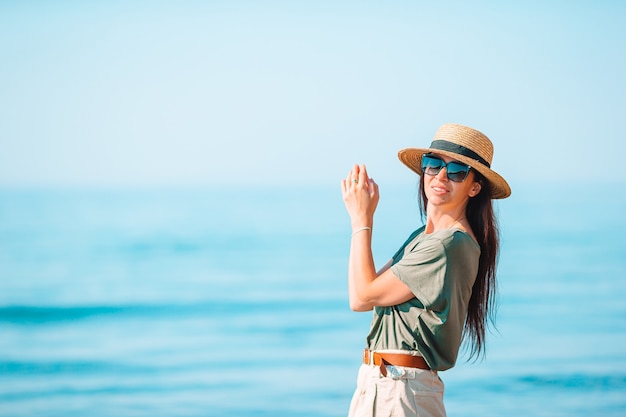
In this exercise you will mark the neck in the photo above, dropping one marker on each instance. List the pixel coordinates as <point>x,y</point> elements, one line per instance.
<point>438,219</point>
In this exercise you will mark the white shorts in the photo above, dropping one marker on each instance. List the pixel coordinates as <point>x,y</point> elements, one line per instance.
<point>403,392</point>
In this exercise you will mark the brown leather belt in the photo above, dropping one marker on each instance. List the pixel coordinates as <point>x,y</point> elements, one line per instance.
<point>395,359</point>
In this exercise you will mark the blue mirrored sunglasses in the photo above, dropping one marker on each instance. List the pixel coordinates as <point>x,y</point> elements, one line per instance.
<point>455,171</point>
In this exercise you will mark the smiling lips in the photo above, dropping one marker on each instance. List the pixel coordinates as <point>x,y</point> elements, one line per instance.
<point>439,189</point>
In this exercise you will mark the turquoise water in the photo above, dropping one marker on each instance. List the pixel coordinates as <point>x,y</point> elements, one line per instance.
<point>216,302</point>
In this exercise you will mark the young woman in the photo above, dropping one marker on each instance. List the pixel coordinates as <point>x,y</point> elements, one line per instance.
<point>439,286</point>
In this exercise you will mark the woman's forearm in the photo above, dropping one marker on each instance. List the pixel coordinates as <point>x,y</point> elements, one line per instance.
<point>361,270</point>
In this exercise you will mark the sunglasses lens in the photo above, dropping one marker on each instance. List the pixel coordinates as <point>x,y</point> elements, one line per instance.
<point>457,172</point>
<point>431,165</point>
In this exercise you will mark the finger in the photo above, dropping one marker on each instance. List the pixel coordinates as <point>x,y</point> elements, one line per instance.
<point>373,187</point>
<point>363,175</point>
<point>348,179</point>
<point>355,174</point>
<point>352,175</point>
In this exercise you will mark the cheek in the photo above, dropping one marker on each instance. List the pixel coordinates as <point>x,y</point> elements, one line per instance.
<point>427,183</point>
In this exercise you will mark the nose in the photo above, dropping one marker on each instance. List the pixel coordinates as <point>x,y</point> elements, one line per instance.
<point>442,176</point>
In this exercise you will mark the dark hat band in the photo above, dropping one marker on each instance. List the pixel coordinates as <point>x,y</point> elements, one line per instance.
<point>444,145</point>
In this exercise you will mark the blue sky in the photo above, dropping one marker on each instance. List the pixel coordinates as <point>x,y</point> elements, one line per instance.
<point>279,92</point>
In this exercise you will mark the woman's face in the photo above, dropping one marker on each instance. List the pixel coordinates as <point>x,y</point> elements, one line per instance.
<point>442,192</point>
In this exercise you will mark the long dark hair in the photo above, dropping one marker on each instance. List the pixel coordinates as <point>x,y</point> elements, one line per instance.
<point>482,219</point>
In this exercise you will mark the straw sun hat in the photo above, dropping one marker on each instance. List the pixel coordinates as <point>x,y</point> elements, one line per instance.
<point>466,145</point>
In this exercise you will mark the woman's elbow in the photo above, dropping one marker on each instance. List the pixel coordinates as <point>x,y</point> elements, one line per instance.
<point>358,305</point>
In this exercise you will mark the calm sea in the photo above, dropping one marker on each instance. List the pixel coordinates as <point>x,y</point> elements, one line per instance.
<point>217,302</point>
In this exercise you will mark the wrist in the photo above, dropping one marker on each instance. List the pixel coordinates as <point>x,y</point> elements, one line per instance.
<point>356,230</point>
<point>362,222</point>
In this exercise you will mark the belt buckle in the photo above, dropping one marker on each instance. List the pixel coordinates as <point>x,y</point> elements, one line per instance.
<point>394,372</point>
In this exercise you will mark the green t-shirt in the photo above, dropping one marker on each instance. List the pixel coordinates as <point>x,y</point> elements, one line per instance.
<point>440,269</point>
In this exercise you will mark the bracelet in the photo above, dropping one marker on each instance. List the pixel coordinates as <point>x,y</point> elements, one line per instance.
<point>361,229</point>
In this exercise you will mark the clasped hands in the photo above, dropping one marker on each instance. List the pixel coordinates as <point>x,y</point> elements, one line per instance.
<point>360,196</point>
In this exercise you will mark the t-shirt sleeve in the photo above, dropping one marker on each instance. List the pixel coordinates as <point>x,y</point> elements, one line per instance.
<point>423,270</point>
<point>407,242</point>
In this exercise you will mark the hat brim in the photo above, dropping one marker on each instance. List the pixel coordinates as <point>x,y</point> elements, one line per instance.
<point>412,158</point>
